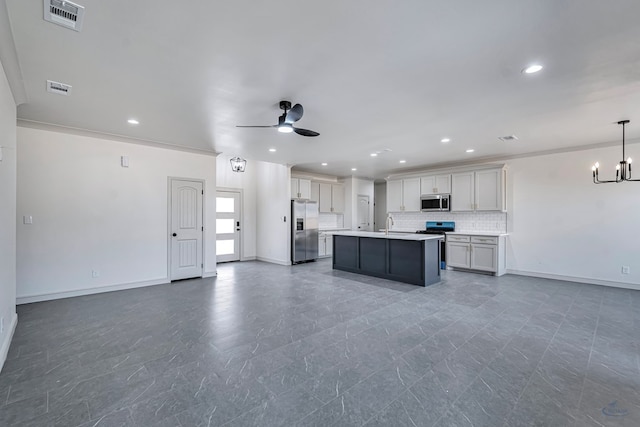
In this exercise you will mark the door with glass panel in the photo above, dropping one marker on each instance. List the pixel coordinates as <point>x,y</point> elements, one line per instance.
<point>227,226</point>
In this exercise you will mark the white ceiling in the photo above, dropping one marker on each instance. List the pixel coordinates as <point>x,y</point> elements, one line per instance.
<point>371,75</point>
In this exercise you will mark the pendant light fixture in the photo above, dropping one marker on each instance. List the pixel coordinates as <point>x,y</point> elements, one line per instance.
<point>623,170</point>
<point>238,164</point>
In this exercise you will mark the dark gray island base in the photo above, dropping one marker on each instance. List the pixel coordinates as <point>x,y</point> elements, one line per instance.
<point>406,258</point>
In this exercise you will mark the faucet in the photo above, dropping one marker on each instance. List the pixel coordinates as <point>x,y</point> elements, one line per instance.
<point>388,226</point>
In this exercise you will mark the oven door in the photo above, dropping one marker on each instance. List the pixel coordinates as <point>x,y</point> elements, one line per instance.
<point>430,203</point>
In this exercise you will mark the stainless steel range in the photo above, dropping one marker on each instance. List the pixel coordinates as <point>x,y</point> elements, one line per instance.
<point>439,227</point>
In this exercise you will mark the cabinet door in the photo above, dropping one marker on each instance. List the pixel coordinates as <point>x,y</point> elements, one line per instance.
<point>443,184</point>
<point>315,192</point>
<point>484,257</point>
<point>462,191</point>
<point>428,185</point>
<point>411,195</point>
<point>394,196</point>
<point>294,188</point>
<point>325,198</point>
<point>337,198</point>
<point>322,240</point>
<point>304,188</point>
<point>489,190</point>
<point>329,245</point>
<point>458,255</point>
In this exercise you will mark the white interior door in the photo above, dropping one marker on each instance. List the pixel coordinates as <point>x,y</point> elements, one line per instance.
<point>363,213</point>
<point>227,226</point>
<point>186,229</point>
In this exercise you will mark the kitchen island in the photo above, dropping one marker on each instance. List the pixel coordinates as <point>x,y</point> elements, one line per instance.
<point>408,258</point>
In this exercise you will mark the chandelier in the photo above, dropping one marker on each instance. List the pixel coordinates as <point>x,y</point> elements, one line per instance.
<point>238,164</point>
<point>623,169</point>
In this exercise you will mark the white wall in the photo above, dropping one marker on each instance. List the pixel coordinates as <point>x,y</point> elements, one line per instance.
<point>273,237</point>
<point>562,224</point>
<point>245,181</point>
<point>7,215</point>
<point>89,213</point>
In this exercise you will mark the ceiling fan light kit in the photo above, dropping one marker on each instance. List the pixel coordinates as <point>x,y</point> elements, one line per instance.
<point>287,119</point>
<point>623,169</point>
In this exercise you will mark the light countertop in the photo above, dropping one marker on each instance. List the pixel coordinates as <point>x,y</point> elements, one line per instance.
<point>333,229</point>
<point>478,233</point>
<point>391,235</point>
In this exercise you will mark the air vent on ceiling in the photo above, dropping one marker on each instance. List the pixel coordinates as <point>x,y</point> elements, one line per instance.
<point>508,138</point>
<point>59,88</point>
<point>64,13</point>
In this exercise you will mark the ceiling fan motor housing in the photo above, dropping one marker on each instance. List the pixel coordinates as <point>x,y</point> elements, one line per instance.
<point>285,105</point>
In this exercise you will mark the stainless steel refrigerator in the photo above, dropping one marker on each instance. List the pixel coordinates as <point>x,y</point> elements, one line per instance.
<point>304,233</point>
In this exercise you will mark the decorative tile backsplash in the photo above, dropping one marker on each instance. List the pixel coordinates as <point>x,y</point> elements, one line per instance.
<point>329,220</point>
<point>465,221</point>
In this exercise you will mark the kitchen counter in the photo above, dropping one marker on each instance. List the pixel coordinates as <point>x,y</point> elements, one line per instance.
<point>392,235</point>
<point>478,233</point>
<point>403,257</point>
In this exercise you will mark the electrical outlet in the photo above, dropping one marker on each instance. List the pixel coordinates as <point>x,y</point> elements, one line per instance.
<point>95,273</point>
<point>626,269</point>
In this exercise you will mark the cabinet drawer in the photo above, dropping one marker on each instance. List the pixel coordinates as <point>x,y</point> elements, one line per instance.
<point>455,238</point>
<point>489,240</point>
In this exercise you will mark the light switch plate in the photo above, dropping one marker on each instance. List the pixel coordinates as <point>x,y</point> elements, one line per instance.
<point>27,219</point>
<point>0,153</point>
<point>124,161</point>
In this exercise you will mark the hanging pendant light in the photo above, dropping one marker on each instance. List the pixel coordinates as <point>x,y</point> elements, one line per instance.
<point>623,169</point>
<point>238,164</point>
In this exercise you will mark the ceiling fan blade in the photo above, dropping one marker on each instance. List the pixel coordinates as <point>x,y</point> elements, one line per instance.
<point>294,114</point>
<point>305,132</point>
<point>272,126</point>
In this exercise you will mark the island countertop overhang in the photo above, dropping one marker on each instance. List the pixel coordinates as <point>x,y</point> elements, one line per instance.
<point>391,235</point>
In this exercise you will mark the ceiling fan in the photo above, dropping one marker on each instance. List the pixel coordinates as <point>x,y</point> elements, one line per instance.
<point>287,119</point>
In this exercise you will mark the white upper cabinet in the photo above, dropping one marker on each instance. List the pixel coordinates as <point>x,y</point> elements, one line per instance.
<point>315,192</point>
<point>403,195</point>
<point>411,194</point>
<point>394,196</point>
<point>489,191</point>
<point>481,190</point>
<point>300,188</point>
<point>331,197</point>
<point>435,184</point>
<point>337,198</point>
<point>462,191</point>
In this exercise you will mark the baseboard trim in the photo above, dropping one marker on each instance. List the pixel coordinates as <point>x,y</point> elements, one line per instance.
<point>209,274</point>
<point>587,280</point>
<point>28,299</point>
<point>248,258</point>
<point>273,261</point>
<point>6,343</point>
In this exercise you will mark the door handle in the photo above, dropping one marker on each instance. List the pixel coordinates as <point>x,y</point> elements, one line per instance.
<point>175,235</point>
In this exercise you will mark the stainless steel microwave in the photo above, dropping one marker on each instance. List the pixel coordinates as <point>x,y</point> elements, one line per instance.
<point>435,202</point>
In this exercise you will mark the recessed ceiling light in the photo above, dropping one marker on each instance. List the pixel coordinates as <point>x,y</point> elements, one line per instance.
<point>374,154</point>
<point>470,150</point>
<point>445,140</point>
<point>508,138</point>
<point>532,69</point>
<point>133,122</point>
<point>403,161</point>
<point>273,150</point>
<point>354,169</point>
<point>324,164</point>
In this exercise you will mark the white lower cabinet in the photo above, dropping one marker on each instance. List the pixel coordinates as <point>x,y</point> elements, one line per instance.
<point>325,245</point>
<point>477,252</point>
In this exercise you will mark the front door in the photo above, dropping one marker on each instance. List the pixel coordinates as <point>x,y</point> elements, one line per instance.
<point>227,226</point>
<point>363,213</point>
<point>186,229</point>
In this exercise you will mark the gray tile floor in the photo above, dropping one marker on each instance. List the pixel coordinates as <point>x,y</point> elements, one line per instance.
<point>269,345</point>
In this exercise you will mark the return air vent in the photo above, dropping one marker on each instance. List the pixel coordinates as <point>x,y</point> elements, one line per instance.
<point>64,13</point>
<point>508,138</point>
<point>59,88</point>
